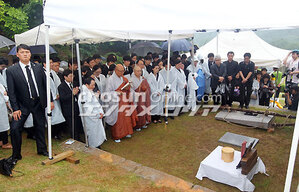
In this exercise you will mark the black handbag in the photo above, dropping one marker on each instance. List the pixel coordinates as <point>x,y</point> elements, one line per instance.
<point>6,167</point>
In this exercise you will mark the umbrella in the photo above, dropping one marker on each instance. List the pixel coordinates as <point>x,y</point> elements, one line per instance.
<point>5,42</point>
<point>178,45</point>
<point>37,49</point>
<point>142,48</point>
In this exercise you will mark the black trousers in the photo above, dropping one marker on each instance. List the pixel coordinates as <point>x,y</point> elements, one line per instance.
<point>264,100</point>
<point>77,124</point>
<point>39,120</point>
<point>218,97</point>
<point>57,129</point>
<point>245,92</point>
<point>156,117</point>
<point>4,137</point>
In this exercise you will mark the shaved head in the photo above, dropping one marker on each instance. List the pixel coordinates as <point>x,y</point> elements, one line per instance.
<point>137,71</point>
<point>119,70</point>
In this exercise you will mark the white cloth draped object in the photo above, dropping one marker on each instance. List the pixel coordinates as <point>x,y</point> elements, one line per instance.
<point>191,88</point>
<point>181,85</point>
<point>90,112</point>
<point>216,169</point>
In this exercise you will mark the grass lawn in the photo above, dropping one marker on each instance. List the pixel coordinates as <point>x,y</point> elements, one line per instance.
<point>178,149</point>
<point>90,175</point>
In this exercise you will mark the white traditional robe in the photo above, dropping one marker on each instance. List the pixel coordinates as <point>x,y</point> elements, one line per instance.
<point>111,104</point>
<point>90,111</point>
<point>180,88</point>
<point>193,69</point>
<point>101,83</point>
<point>157,87</point>
<point>56,79</point>
<point>144,73</point>
<point>4,122</point>
<point>57,116</point>
<point>191,88</point>
<point>172,84</point>
<point>3,78</point>
<point>208,75</point>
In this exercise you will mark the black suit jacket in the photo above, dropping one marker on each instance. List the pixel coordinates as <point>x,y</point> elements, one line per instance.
<point>18,89</point>
<point>66,101</point>
<point>216,73</point>
<point>128,71</point>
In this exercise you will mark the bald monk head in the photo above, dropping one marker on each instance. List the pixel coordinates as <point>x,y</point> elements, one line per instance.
<point>137,71</point>
<point>119,70</point>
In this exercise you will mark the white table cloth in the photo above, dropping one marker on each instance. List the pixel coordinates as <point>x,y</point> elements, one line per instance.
<point>216,169</point>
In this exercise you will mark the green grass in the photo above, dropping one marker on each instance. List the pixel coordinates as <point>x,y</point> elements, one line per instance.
<point>90,175</point>
<point>179,148</point>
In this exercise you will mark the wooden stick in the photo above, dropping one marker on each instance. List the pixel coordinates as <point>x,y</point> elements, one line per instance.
<point>72,159</point>
<point>58,157</point>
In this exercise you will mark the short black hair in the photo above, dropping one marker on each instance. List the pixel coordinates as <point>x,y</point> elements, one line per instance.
<point>247,55</point>
<point>230,52</point>
<point>66,72</point>
<point>266,76</point>
<point>126,58</point>
<point>133,55</point>
<point>88,80</point>
<point>264,69</point>
<point>155,65</point>
<point>85,69</point>
<point>111,67</point>
<point>96,67</point>
<point>184,56</point>
<point>89,59</point>
<point>37,58</point>
<point>3,61</point>
<point>96,56</point>
<point>23,46</point>
<point>149,53</point>
<point>155,55</point>
<point>147,57</point>
<point>55,59</point>
<point>176,61</point>
<point>211,55</point>
<point>111,58</point>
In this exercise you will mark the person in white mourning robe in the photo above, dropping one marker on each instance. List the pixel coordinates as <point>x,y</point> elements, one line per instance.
<point>181,83</point>
<point>157,85</point>
<point>4,122</point>
<point>170,92</point>
<point>92,113</point>
<point>144,72</point>
<point>57,116</point>
<point>192,85</point>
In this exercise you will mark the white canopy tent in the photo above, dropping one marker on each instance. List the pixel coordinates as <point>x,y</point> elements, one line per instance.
<point>67,35</point>
<point>262,53</point>
<point>167,16</point>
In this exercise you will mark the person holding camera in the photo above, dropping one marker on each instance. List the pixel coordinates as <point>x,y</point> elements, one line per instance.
<point>292,66</point>
<point>292,98</point>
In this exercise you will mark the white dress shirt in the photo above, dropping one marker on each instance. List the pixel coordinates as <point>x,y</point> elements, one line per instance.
<point>26,77</point>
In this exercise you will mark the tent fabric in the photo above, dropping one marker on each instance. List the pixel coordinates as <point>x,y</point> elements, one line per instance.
<point>262,53</point>
<point>157,15</point>
<point>64,35</point>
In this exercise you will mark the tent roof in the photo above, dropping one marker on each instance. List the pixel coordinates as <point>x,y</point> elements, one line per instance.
<point>262,53</point>
<point>157,15</point>
<point>64,35</point>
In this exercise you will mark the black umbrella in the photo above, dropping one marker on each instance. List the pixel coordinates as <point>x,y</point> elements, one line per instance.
<point>142,48</point>
<point>37,49</point>
<point>177,45</point>
<point>5,42</point>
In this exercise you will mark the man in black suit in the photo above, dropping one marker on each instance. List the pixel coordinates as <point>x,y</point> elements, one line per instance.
<point>111,59</point>
<point>26,84</point>
<point>68,95</point>
<point>127,67</point>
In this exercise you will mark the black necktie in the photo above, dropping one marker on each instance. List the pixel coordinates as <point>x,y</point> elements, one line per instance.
<point>31,83</point>
<point>51,75</point>
<point>71,86</point>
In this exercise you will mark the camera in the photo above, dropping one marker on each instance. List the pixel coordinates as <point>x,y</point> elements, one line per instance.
<point>288,83</point>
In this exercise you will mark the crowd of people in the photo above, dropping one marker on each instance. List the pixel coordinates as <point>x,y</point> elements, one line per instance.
<point>123,98</point>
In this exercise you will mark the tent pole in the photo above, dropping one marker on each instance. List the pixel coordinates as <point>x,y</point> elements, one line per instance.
<point>130,44</point>
<point>80,83</point>
<point>192,51</point>
<point>49,113</point>
<point>293,152</point>
<point>217,42</point>
<point>167,74</point>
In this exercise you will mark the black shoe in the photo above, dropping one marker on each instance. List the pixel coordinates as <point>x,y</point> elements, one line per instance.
<point>57,137</point>
<point>171,117</point>
<point>99,147</point>
<point>246,107</point>
<point>44,153</point>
